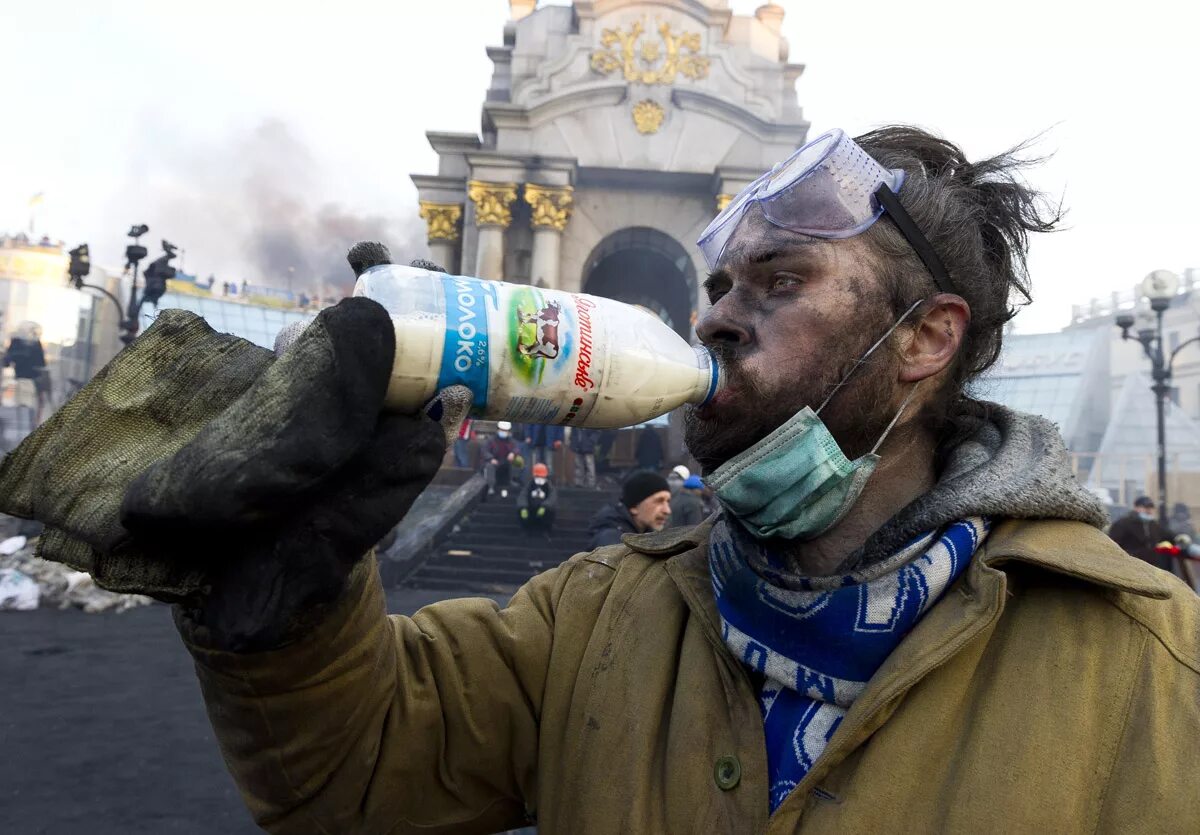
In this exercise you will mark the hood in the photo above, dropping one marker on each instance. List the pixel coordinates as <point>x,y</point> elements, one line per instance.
<point>613,515</point>
<point>1012,465</point>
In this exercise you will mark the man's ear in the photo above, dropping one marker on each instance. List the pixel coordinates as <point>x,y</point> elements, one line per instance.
<point>936,337</point>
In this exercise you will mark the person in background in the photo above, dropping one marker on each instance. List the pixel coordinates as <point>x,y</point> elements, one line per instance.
<point>583,444</point>
<point>28,360</point>
<point>499,453</point>
<point>1139,531</point>
<point>645,505</point>
<point>524,452</point>
<point>537,501</point>
<point>649,452</point>
<point>677,477</point>
<point>604,446</point>
<point>1181,521</point>
<point>687,506</point>
<point>462,446</point>
<point>543,441</point>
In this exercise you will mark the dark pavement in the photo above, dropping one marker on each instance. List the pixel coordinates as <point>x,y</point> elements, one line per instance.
<point>102,729</point>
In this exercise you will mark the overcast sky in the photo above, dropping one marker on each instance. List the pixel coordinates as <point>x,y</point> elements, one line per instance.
<point>252,133</point>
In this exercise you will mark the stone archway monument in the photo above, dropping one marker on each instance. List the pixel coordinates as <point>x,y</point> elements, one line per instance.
<point>613,130</point>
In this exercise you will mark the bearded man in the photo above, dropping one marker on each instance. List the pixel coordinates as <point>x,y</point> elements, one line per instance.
<point>905,616</point>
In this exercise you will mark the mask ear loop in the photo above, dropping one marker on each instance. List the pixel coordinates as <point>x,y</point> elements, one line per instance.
<point>892,425</point>
<point>861,360</point>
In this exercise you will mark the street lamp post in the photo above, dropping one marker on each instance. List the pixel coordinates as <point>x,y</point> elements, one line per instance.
<point>134,253</point>
<point>1158,288</point>
<point>157,274</point>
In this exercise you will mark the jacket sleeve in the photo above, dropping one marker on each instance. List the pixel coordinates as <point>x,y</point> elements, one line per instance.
<point>389,724</point>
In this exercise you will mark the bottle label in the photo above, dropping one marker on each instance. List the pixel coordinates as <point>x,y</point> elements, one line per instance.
<point>542,349</point>
<point>465,357</point>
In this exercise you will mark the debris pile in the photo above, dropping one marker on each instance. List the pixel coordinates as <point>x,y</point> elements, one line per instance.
<point>27,582</point>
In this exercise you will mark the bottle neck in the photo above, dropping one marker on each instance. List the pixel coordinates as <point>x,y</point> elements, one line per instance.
<point>709,380</point>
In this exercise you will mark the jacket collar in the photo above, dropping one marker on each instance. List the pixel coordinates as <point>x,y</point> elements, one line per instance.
<point>669,541</point>
<point>1076,550</point>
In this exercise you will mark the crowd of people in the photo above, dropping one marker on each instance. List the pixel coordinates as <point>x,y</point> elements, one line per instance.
<point>1142,535</point>
<point>519,459</point>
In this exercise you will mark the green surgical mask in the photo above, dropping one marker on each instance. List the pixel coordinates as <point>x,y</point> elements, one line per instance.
<point>796,483</point>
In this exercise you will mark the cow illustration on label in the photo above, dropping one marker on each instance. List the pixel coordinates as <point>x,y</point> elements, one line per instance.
<point>537,333</point>
<point>540,335</point>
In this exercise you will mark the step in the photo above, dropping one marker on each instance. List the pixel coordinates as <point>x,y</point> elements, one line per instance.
<point>556,552</point>
<point>507,530</point>
<point>499,507</point>
<point>509,519</point>
<point>518,540</point>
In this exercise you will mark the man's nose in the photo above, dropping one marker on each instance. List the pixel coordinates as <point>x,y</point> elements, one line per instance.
<point>724,323</point>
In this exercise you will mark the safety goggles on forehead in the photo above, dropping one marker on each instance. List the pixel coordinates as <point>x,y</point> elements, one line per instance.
<point>830,188</point>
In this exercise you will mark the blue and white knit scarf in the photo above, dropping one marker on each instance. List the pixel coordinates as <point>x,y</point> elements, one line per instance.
<point>817,641</point>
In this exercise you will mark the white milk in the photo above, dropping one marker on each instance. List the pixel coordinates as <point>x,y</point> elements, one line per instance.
<point>532,355</point>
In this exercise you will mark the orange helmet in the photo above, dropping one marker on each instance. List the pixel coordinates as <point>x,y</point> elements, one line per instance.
<point>541,471</point>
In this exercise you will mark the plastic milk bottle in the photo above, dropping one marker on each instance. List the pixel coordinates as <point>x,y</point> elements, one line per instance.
<point>534,355</point>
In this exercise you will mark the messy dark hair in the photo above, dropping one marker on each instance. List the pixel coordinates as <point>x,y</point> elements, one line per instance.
<point>977,216</point>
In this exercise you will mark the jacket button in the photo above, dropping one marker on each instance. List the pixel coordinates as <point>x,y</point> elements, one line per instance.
<point>728,772</point>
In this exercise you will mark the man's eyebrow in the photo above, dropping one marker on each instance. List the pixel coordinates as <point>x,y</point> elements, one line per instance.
<point>802,247</point>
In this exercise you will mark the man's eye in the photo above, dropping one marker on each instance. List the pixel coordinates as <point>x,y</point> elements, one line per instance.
<point>783,280</point>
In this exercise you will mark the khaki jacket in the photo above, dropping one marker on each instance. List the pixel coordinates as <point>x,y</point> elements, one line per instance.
<point>1054,688</point>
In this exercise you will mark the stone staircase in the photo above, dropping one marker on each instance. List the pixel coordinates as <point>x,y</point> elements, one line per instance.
<point>490,553</point>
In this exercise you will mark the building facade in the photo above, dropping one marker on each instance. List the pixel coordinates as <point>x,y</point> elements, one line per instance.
<point>1096,387</point>
<point>612,132</point>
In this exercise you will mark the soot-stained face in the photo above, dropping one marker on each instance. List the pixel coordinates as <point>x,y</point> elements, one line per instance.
<point>790,316</point>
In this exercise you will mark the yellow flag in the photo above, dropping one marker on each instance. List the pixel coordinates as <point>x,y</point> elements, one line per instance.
<point>36,200</point>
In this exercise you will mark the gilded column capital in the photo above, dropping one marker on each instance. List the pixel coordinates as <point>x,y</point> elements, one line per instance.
<point>442,220</point>
<point>493,202</point>
<point>723,200</point>
<point>551,205</point>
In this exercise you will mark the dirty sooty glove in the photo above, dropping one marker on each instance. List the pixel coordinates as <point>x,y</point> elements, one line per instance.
<point>290,486</point>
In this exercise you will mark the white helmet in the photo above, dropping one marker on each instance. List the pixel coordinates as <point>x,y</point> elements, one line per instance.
<point>682,471</point>
<point>504,426</point>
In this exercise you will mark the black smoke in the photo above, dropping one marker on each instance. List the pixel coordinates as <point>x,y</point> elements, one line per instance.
<point>262,208</point>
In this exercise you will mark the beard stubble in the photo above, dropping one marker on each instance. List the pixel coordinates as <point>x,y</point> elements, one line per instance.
<point>856,416</point>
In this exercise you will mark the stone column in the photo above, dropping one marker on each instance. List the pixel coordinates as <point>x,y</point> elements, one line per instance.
<point>442,220</point>
<point>493,214</point>
<point>551,211</point>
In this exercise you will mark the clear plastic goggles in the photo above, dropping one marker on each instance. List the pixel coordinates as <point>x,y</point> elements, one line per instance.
<point>830,188</point>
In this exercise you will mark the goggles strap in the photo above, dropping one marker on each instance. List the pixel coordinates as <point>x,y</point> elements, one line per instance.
<point>915,237</point>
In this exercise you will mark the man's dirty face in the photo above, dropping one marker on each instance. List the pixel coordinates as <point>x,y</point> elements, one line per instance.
<point>790,316</point>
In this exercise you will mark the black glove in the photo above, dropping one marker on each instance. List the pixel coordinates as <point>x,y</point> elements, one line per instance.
<point>287,489</point>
